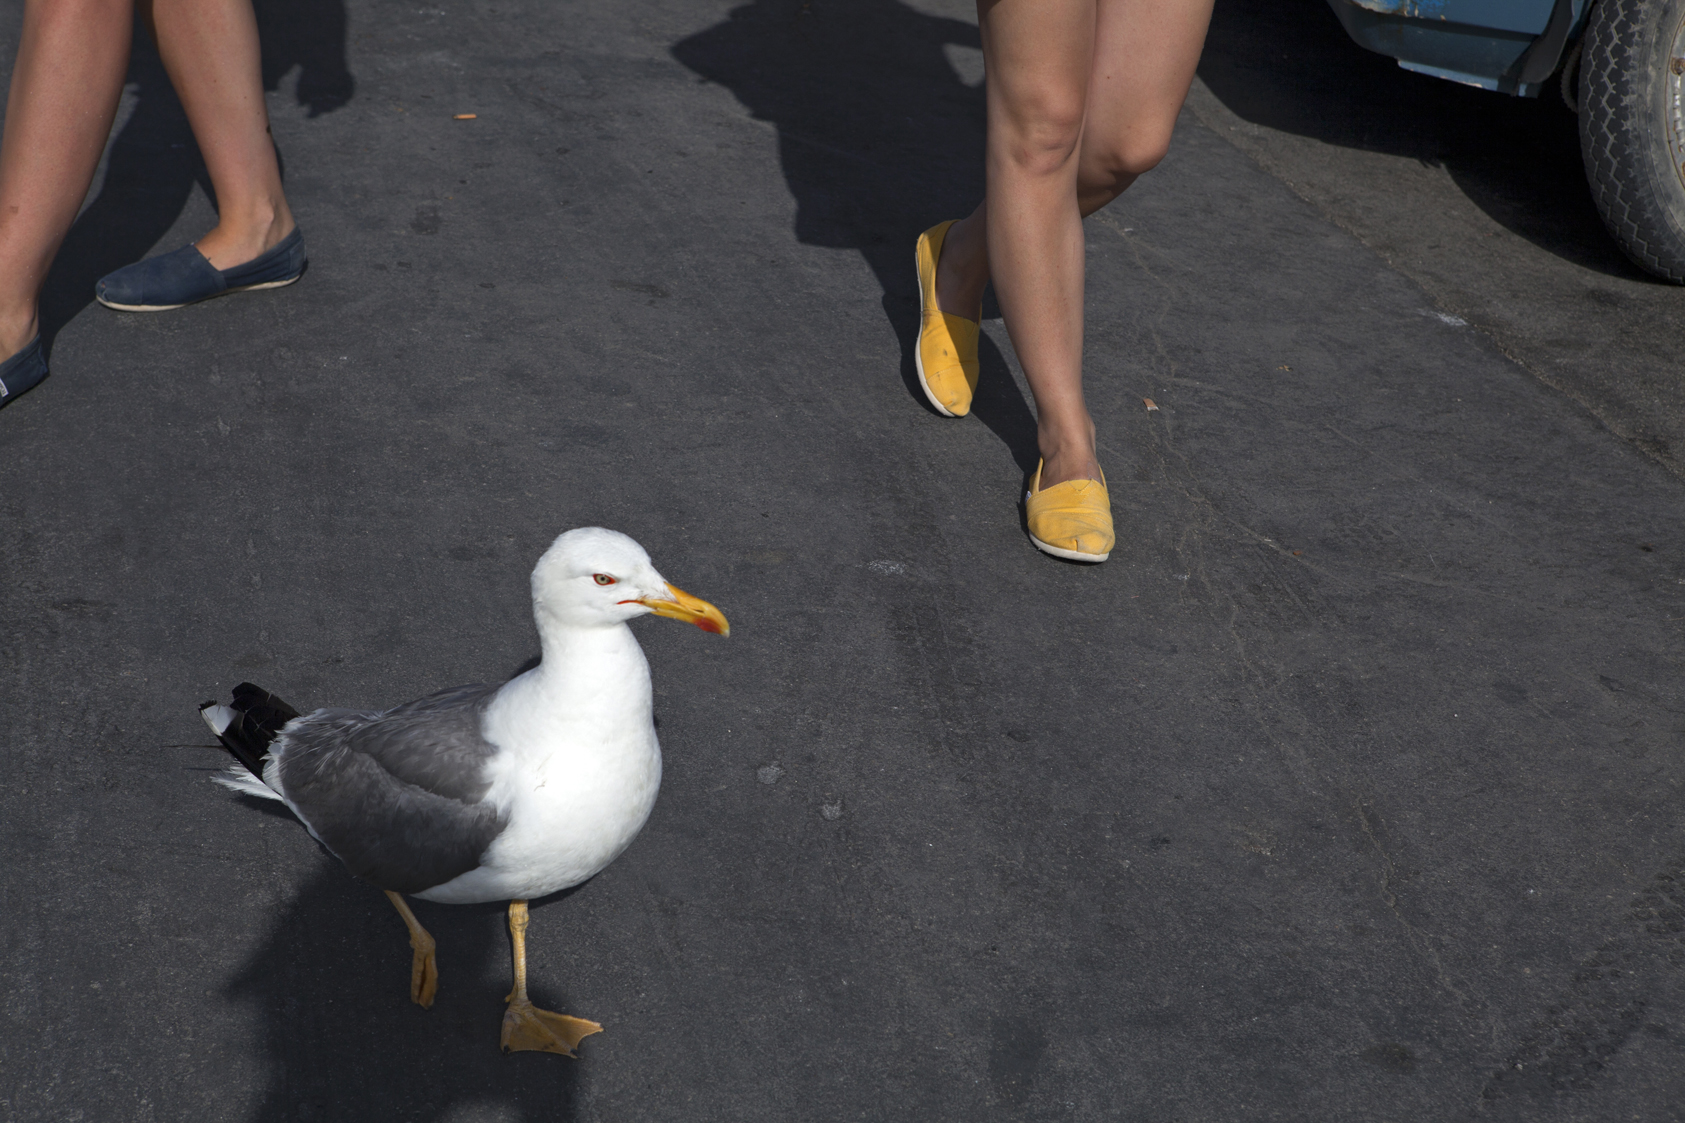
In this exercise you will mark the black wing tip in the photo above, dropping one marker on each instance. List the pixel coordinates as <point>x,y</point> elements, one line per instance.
<point>259,719</point>
<point>262,706</point>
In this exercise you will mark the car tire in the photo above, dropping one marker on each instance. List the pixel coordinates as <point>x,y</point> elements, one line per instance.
<point>1632,128</point>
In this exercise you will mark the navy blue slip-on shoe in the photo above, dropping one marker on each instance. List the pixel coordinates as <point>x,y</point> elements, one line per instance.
<point>23,371</point>
<point>183,277</point>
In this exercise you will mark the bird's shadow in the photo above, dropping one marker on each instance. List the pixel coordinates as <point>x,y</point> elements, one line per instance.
<point>153,163</point>
<point>343,1040</point>
<point>879,137</point>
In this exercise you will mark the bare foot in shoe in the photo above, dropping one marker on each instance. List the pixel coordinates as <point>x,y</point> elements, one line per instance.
<point>235,242</point>
<point>1070,460</point>
<point>16,330</point>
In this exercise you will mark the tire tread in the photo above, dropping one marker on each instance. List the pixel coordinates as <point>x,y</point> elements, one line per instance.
<point>1616,72</point>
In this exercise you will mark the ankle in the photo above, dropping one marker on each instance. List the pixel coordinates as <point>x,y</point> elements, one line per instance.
<point>17,328</point>
<point>244,234</point>
<point>962,271</point>
<point>1069,456</point>
<point>277,225</point>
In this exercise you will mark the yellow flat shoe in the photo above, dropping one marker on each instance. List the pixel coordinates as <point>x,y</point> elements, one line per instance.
<point>1072,520</point>
<point>947,353</point>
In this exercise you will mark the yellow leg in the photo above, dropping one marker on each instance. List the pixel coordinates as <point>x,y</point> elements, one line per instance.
<point>424,969</point>
<point>525,1026</point>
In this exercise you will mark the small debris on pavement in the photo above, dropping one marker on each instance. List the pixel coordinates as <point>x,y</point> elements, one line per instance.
<point>1151,405</point>
<point>465,117</point>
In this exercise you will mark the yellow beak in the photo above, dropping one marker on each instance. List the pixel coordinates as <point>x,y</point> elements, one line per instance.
<point>692,610</point>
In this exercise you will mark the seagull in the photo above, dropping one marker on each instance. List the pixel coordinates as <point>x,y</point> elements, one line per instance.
<point>487,793</point>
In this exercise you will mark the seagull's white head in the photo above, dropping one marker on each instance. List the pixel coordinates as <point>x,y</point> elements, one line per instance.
<point>594,578</point>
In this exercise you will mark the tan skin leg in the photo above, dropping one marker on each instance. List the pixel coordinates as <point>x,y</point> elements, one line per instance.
<point>210,50</point>
<point>1082,97</point>
<point>424,968</point>
<point>525,1026</point>
<point>72,56</point>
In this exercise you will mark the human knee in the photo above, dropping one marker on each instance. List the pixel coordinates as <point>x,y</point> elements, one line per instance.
<point>1122,159</point>
<point>1145,156</point>
<point>1043,133</point>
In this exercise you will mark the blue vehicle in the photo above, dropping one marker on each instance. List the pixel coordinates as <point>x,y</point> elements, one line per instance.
<point>1620,65</point>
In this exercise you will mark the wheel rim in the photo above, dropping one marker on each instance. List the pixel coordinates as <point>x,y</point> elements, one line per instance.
<point>1676,100</point>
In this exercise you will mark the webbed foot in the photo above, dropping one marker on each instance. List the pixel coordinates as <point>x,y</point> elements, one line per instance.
<point>527,1028</point>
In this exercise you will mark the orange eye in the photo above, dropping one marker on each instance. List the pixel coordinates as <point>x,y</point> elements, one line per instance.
<point>602,579</point>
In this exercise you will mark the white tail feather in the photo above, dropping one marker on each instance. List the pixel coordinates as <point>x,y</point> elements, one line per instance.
<point>217,717</point>
<point>239,780</point>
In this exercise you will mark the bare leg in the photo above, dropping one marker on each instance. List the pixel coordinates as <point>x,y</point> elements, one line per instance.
<point>210,50</point>
<point>1128,64</point>
<point>1145,52</point>
<point>72,56</point>
<point>424,968</point>
<point>525,1026</point>
<point>1037,56</point>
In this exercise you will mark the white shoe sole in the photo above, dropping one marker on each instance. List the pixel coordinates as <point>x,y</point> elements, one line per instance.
<point>213,296</point>
<point>918,362</point>
<point>1069,555</point>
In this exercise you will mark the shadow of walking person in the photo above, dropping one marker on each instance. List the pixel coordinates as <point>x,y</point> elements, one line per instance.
<point>879,137</point>
<point>153,163</point>
<point>308,35</point>
<point>344,1041</point>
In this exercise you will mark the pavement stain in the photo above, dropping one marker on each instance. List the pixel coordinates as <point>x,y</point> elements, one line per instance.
<point>427,220</point>
<point>1610,997</point>
<point>87,609</point>
<point>1391,1057</point>
<point>1016,1048</point>
<point>644,288</point>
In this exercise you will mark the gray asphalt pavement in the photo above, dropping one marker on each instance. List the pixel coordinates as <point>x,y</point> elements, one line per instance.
<point>1347,790</point>
<point>1479,199</point>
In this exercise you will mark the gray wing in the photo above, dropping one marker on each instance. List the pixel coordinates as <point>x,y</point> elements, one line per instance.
<point>397,796</point>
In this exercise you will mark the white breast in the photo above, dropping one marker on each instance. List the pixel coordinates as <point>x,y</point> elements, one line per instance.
<point>575,777</point>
